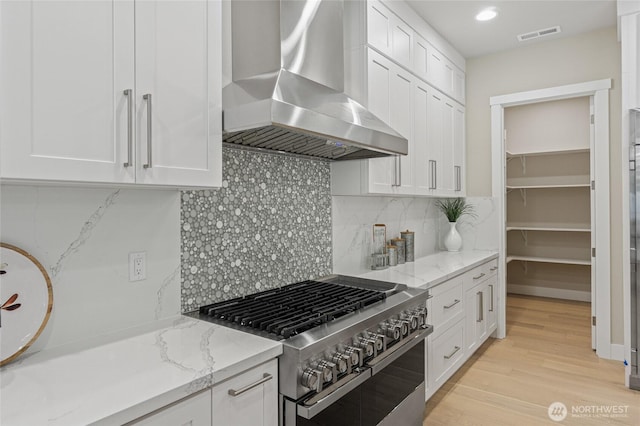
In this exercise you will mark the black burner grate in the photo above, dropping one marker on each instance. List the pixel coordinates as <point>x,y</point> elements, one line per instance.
<point>292,309</point>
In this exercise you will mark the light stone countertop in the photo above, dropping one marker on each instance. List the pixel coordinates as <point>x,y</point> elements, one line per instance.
<point>428,271</point>
<point>125,379</point>
<point>122,380</point>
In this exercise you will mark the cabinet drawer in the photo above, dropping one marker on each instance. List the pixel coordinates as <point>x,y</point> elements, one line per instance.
<point>248,399</point>
<point>447,304</point>
<point>480,274</point>
<point>447,354</point>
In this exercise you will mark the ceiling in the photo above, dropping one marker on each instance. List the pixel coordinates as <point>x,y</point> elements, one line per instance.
<point>455,21</point>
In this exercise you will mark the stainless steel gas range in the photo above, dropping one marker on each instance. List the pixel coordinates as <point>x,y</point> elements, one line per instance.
<point>353,348</point>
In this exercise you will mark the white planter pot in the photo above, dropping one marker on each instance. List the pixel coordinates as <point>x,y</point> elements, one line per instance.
<point>453,240</point>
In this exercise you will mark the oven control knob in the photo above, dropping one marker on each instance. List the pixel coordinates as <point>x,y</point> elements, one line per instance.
<point>421,313</point>
<point>411,319</point>
<point>367,346</point>
<point>403,325</point>
<point>342,362</point>
<point>328,370</point>
<point>391,330</point>
<point>311,379</point>
<point>378,342</point>
<point>355,354</point>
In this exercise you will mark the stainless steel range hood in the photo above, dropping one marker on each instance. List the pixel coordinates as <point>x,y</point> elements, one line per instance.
<point>287,92</point>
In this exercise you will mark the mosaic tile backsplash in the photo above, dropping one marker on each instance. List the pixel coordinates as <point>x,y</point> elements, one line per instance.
<point>269,225</point>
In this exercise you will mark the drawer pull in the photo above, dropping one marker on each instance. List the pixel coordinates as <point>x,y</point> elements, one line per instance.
<point>265,378</point>
<point>479,276</point>
<point>454,303</point>
<point>493,268</point>
<point>455,349</point>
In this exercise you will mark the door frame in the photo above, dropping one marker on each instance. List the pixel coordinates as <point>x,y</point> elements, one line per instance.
<point>599,90</point>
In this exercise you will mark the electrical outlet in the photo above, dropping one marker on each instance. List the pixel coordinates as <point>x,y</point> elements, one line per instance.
<point>138,266</point>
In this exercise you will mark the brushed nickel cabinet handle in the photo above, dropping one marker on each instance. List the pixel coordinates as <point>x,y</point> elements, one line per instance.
<point>480,307</point>
<point>127,94</point>
<point>265,378</point>
<point>454,303</point>
<point>493,268</point>
<point>455,349</point>
<point>491,298</point>
<point>397,178</point>
<point>432,174</point>
<point>458,178</point>
<point>149,164</point>
<point>479,276</point>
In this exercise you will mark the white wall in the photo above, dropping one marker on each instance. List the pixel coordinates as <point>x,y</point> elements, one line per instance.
<point>353,218</point>
<point>83,237</point>
<point>587,57</point>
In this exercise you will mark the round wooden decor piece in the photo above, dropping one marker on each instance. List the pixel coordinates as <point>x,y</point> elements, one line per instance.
<point>26,299</point>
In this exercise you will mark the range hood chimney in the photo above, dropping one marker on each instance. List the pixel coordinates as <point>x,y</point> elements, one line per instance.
<point>287,92</point>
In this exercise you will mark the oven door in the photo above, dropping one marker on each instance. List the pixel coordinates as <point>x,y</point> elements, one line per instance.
<point>391,392</point>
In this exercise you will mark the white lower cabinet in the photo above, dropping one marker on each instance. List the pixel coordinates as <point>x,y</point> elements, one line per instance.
<point>248,399</point>
<point>192,411</point>
<point>446,353</point>
<point>463,313</point>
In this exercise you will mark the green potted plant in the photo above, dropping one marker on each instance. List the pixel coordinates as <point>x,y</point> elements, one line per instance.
<point>453,209</point>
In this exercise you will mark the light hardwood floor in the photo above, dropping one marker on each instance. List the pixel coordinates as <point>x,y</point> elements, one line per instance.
<point>545,358</point>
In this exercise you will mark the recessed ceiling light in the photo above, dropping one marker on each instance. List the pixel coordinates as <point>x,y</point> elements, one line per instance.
<point>487,14</point>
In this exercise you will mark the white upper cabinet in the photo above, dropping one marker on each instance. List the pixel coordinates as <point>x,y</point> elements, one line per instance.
<point>389,95</point>
<point>63,112</point>
<point>388,33</point>
<point>82,83</point>
<point>178,77</point>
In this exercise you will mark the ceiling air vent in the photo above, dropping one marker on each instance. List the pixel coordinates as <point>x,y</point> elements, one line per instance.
<point>538,33</point>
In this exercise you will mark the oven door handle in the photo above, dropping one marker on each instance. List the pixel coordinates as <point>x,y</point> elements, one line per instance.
<point>312,410</point>
<point>393,353</point>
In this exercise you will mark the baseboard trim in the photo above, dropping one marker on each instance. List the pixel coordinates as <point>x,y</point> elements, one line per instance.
<point>555,293</point>
<point>617,352</point>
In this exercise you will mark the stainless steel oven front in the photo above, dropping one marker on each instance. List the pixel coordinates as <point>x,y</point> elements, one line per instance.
<point>385,391</point>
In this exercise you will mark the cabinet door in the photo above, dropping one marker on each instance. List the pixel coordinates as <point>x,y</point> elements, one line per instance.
<point>256,406</point>
<point>459,163</point>
<point>381,82</point>
<point>491,313</point>
<point>178,81</point>
<point>448,171</point>
<point>435,111</point>
<point>459,86</point>
<point>421,132</point>
<point>64,68</point>
<point>421,53</point>
<point>475,328</point>
<point>401,121</point>
<point>379,27</point>
<point>401,42</point>
<point>192,411</point>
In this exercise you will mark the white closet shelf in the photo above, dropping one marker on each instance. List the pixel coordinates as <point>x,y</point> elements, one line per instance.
<point>553,227</point>
<point>535,153</point>
<point>574,181</point>
<point>549,260</point>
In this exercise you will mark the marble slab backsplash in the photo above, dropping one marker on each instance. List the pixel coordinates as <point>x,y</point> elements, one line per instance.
<point>269,225</point>
<point>82,237</point>
<point>353,218</point>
